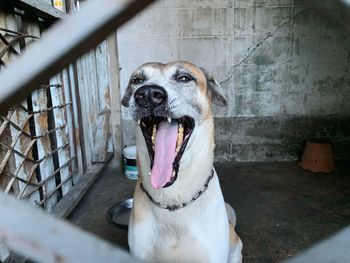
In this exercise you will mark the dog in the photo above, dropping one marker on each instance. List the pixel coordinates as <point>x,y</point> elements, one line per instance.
<point>179,213</point>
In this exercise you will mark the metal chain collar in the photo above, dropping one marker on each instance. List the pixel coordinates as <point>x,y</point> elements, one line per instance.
<point>176,207</point>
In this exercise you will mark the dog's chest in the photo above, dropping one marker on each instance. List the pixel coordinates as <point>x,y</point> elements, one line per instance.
<point>177,245</point>
<point>192,234</point>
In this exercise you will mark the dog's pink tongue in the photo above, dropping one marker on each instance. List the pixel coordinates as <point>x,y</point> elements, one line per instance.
<point>164,154</point>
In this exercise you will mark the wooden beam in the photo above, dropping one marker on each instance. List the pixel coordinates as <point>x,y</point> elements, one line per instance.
<point>99,154</point>
<point>66,205</point>
<point>114,87</point>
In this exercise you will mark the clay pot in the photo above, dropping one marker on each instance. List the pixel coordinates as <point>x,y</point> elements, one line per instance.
<point>318,157</point>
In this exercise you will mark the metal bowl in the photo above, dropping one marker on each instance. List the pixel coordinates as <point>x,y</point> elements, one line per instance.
<point>119,213</point>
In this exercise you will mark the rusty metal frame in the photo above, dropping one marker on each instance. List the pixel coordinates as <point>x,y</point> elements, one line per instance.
<point>30,185</point>
<point>96,20</point>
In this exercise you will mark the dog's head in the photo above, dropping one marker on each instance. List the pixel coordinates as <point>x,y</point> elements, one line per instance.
<point>168,101</point>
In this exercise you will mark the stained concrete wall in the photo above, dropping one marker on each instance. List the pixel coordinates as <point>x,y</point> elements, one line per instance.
<point>283,68</point>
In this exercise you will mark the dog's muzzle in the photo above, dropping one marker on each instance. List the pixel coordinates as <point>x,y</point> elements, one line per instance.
<point>151,97</point>
<point>166,137</point>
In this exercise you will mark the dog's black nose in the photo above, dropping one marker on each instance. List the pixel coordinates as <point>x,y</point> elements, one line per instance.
<point>150,96</point>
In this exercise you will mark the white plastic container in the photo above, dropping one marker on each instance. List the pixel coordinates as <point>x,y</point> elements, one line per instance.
<point>129,159</point>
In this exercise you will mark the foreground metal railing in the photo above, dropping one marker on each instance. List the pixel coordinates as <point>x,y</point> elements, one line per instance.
<point>48,239</point>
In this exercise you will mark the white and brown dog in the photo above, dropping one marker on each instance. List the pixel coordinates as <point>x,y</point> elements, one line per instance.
<point>179,213</point>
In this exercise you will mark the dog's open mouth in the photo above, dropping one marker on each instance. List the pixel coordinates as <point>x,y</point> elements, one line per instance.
<point>166,141</point>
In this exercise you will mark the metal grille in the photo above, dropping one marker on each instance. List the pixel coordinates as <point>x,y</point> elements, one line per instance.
<point>37,159</point>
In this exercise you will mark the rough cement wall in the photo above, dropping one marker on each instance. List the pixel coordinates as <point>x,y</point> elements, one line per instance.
<point>284,70</point>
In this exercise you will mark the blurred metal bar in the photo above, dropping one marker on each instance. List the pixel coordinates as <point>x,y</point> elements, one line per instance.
<point>334,249</point>
<point>45,238</point>
<point>62,44</point>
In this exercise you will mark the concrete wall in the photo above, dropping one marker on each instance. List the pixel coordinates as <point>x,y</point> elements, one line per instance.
<point>284,69</point>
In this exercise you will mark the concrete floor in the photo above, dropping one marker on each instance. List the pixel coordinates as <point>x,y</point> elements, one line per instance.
<point>281,209</point>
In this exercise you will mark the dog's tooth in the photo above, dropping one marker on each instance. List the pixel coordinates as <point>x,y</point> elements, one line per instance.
<point>179,143</point>
<point>154,131</point>
<point>139,122</point>
<point>180,133</point>
<point>169,119</point>
<point>180,136</point>
<point>178,146</point>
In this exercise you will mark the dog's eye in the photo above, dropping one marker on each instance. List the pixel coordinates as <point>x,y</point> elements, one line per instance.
<point>137,80</point>
<point>184,79</point>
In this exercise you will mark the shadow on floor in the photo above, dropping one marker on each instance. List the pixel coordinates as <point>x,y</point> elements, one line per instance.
<point>281,209</point>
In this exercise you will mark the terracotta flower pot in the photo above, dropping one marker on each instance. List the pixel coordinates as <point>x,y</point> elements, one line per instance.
<point>318,157</point>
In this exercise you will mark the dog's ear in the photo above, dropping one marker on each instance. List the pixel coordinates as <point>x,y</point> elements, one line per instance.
<point>127,96</point>
<point>215,92</point>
